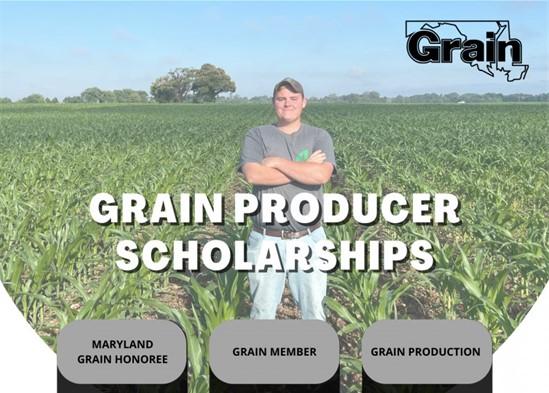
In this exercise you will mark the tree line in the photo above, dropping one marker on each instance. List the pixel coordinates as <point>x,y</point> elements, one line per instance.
<point>428,98</point>
<point>179,85</point>
<point>471,97</point>
<point>205,84</point>
<point>96,95</point>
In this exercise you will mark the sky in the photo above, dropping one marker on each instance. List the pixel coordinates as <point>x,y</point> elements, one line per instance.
<point>59,49</point>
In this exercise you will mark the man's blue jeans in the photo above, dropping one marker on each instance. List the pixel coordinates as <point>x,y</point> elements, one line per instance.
<point>308,288</point>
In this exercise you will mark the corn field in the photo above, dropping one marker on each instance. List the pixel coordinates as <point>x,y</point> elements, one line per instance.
<point>58,265</point>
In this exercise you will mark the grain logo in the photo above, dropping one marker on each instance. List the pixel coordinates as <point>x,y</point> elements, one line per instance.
<point>486,45</point>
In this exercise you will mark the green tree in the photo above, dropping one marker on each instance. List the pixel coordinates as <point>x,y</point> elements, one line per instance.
<point>129,95</point>
<point>72,100</point>
<point>5,100</point>
<point>33,99</point>
<point>209,82</point>
<point>372,96</point>
<point>262,99</point>
<point>93,95</point>
<point>174,87</point>
<point>451,97</point>
<point>107,96</point>
<point>143,95</point>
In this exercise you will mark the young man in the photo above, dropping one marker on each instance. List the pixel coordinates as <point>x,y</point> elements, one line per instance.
<point>287,158</point>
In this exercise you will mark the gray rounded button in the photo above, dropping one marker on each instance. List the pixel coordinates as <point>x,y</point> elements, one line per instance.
<point>427,352</point>
<point>121,352</point>
<point>274,352</point>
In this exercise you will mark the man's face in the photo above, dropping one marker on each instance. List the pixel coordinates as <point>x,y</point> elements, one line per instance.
<point>288,106</point>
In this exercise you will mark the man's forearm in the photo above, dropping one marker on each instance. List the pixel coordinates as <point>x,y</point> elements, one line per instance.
<point>305,172</point>
<point>262,175</point>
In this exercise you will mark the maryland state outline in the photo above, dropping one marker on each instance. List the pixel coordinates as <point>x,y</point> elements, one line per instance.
<point>486,45</point>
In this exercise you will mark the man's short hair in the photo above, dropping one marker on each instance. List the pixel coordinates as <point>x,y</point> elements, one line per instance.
<point>290,84</point>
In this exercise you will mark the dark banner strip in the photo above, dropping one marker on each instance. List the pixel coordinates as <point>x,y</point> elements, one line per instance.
<point>482,386</point>
<point>330,386</point>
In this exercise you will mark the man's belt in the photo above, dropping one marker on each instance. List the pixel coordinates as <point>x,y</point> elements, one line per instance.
<point>283,234</point>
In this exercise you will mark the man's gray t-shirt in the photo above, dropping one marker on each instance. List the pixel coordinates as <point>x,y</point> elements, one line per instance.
<point>269,141</point>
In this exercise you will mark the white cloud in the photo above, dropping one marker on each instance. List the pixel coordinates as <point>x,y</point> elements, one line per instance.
<point>80,51</point>
<point>124,35</point>
<point>356,73</point>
